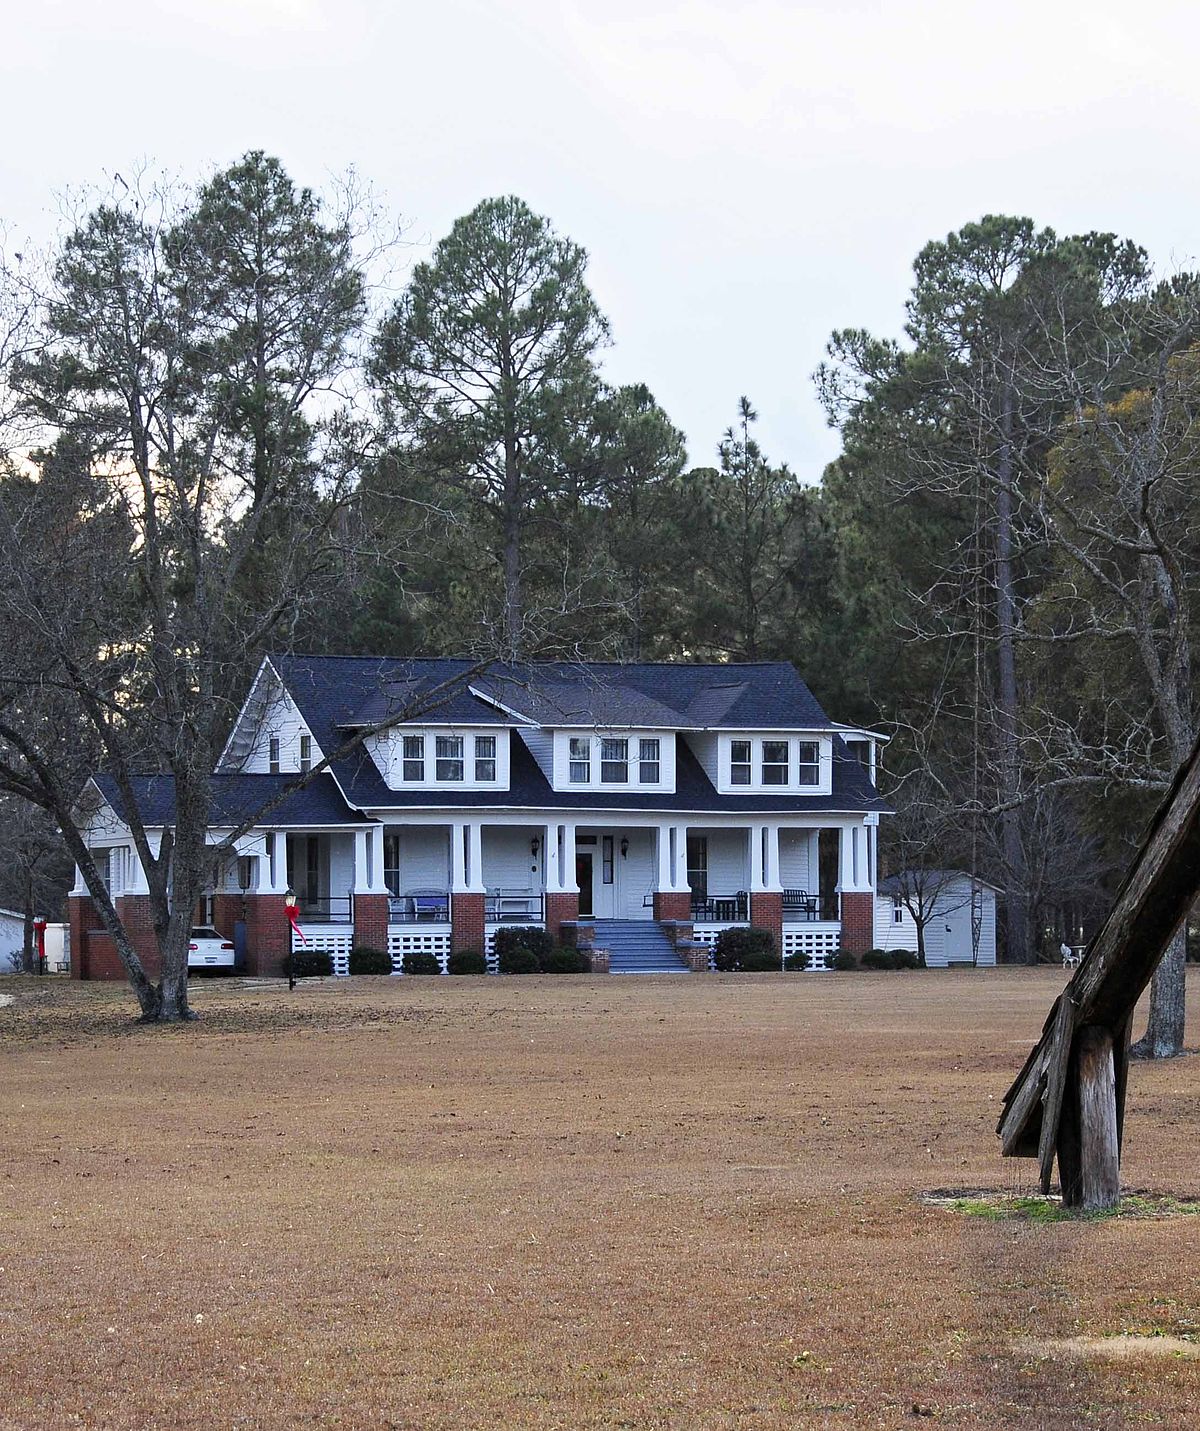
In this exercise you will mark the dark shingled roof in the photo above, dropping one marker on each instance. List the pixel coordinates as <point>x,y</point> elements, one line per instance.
<point>334,693</point>
<point>236,798</point>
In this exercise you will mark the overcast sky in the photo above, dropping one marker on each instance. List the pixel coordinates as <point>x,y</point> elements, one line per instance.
<point>745,176</point>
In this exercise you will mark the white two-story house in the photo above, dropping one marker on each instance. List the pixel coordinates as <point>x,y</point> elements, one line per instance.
<point>622,800</point>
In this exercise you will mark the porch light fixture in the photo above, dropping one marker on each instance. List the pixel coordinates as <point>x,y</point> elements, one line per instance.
<point>624,846</point>
<point>534,846</point>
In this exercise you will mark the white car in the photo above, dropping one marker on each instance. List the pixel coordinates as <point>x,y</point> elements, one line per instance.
<point>208,949</point>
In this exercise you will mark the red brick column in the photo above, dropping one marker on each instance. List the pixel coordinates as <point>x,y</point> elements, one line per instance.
<point>466,922</point>
<point>82,918</point>
<point>135,913</point>
<point>558,908</point>
<point>766,912</point>
<point>227,910</point>
<point>858,921</point>
<point>672,904</point>
<point>371,922</point>
<point>268,935</point>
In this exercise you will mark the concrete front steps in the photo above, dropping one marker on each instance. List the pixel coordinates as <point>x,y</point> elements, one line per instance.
<point>637,946</point>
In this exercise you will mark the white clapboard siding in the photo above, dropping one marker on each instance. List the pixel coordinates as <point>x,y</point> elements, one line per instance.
<point>635,873</point>
<point>279,717</point>
<point>341,864</point>
<point>507,862</point>
<point>728,861</point>
<point>704,748</point>
<point>794,869</point>
<point>541,747</point>
<point>424,858</point>
<point>890,932</point>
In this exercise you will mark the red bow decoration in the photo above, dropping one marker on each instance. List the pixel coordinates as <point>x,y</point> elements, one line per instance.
<point>39,926</point>
<point>291,907</point>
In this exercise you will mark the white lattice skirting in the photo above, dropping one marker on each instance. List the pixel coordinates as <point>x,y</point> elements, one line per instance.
<point>336,943</point>
<point>820,943</point>
<point>415,939</point>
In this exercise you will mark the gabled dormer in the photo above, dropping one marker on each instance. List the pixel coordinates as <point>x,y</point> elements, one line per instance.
<point>270,736</point>
<point>766,762</point>
<point>442,757</point>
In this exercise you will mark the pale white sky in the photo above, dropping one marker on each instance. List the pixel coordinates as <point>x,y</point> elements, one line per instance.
<point>746,176</point>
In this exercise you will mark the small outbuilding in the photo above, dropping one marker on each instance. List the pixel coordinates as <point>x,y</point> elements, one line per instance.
<point>957,910</point>
<point>12,939</point>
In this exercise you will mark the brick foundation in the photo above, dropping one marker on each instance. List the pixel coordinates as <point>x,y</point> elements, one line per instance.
<point>371,922</point>
<point>466,922</point>
<point>558,908</point>
<point>766,912</point>
<point>858,921</point>
<point>673,904</point>
<point>137,919</point>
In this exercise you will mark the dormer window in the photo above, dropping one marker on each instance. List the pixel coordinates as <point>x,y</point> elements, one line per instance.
<point>485,757</point>
<point>306,752</point>
<point>581,760</point>
<point>810,763</point>
<point>273,754</point>
<point>414,757</point>
<point>739,762</point>
<point>614,761</point>
<point>449,757</point>
<point>775,762</point>
<point>649,763</point>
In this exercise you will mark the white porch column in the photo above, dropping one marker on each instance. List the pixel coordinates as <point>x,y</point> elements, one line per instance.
<point>368,861</point>
<point>553,865</point>
<point>664,882</point>
<point>771,879</point>
<point>853,866</point>
<point>681,871</point>
<point>272,868</point>
<point>754,836</point>
<point>458,858</point>
<point>138,883</point>
<point>814,862</point>
<point>80,885</point>
<point>475,856</point>
<point>566,871</point>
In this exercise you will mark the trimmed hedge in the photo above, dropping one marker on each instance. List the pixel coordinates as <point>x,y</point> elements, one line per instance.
<point>523,936</point>
<point>311,964</point>
<point>844,961</point>
<point>467,961</point>
<point>422,964</point>
<point>745,951</point>
<point>370,961</point>
<point>519,960</point>
<point>566,961</point>
<point>890,959</point>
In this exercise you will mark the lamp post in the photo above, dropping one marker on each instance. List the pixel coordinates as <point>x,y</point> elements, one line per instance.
<point>291,907</point>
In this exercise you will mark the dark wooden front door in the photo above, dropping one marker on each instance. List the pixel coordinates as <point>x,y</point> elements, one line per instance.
<point>583,878</point>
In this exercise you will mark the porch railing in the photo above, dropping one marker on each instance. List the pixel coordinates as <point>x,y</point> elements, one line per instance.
<point>799,904</point>
<point>721,908</point>
<point>430,906</point>
<point>331,909</point>
<point>503,906</point>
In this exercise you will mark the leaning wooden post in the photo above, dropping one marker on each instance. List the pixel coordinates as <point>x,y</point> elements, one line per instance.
<point>1068,1102</point>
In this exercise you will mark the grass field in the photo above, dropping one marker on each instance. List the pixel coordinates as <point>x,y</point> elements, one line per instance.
<point>574,1203</point>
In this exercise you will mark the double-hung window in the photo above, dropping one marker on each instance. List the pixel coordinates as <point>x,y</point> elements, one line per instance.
<point>614,760</point>
<point>485,757</point>
<point>581,760</point>
<point>649,762</point>
<point>306,752</point>
<point>449,757</point>
<point>810,763</point>
<point>739,762</point>
<point>414,757</point>
<point>273,754</point>
<point>775,762</point>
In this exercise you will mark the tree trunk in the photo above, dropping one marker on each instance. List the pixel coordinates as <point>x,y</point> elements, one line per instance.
<point>921,943</point>
<point>1019,945</point>
<point>27,949</point>
<point>1164,1031</point>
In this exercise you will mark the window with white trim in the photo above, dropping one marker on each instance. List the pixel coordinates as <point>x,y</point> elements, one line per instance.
<point>581,760</point>
<point>414,757</point>
<point>739,762</point>
<point>449,762</point>
<point>810,762</point>
<point>614,760</point>
<point>485,757</point>
<point>897,909</point>
<point>649,761</point>
<point>306,752</point>
<point>775,762</point>
<point>273,754</point>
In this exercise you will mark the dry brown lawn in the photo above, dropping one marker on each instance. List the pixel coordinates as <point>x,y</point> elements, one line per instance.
<point>567,1202</point>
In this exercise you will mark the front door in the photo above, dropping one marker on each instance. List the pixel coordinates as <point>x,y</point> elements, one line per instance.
<point>583,878</point>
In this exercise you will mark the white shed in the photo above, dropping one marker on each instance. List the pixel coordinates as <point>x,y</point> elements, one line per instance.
<point>12,938</point>
<point>950,897</point>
